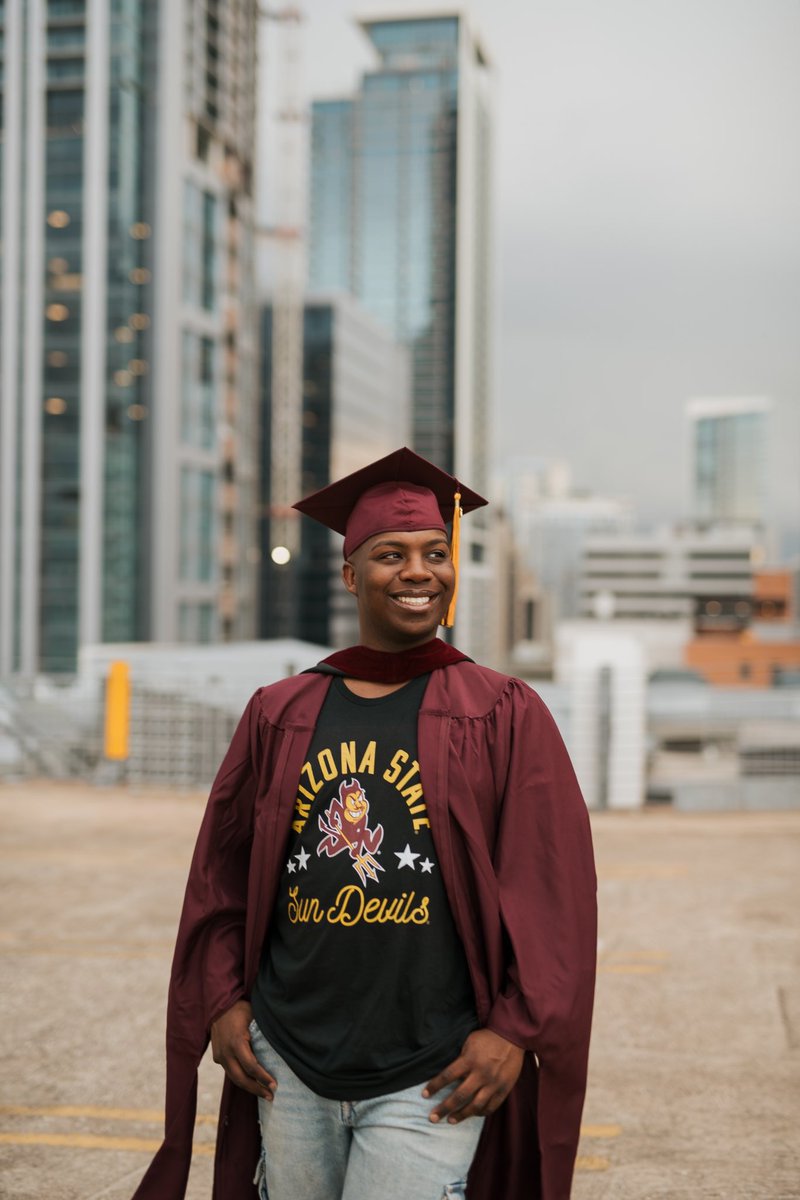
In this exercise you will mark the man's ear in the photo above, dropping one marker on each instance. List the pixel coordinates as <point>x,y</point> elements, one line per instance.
<point>349,577</point>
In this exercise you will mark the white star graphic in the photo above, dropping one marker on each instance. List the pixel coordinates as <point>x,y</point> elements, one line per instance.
<point>406,857</point>
<point>426,866</point>
<point>302,859</point>
<point>291,866</point>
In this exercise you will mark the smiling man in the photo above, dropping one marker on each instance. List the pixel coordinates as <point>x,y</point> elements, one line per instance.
<point>389,930</point>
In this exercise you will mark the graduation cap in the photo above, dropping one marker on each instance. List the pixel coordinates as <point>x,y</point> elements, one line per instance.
<point>401,492</point>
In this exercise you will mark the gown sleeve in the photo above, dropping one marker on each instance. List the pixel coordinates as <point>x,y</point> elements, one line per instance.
<point>547,890</point>
<point>208,966</point>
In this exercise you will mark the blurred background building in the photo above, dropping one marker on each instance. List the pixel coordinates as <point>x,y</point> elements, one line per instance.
<point>400,214</point>
<point>356,407</point>
<point>127,419</point>
<point>743,455</point>
<point>729,458</point>
<point>551,520</point>
<point>705,577</point>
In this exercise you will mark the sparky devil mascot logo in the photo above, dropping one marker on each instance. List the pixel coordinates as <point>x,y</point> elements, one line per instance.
<point>345,828</point>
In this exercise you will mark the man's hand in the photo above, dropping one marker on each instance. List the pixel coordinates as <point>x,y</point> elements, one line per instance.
<point>231,1048</point>
<point>485,1072</point>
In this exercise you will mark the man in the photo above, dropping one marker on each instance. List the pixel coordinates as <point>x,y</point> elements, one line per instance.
<point>389,929</point>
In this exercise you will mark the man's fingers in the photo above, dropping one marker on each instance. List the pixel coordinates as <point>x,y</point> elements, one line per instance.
<point>455,1106</point>
<point>243,1068</point>
<point>252,1079</point>
<point>484,1102</point>
<point>473,1098</point>
<point>469,1099</point>
<point>253,1069</point>
<point>448,1075</point>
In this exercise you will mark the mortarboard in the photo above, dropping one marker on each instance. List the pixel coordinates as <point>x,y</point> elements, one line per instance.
<point>402,491</point>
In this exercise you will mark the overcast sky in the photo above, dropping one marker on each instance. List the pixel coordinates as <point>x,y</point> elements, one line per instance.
<point>647,216</point>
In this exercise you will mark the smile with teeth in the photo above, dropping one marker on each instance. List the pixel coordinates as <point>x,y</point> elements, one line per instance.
<point>415,601</point>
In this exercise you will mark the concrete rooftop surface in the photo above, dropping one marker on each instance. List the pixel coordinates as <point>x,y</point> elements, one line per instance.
<point>694,1085</point>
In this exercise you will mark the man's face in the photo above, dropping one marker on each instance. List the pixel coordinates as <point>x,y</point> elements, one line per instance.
<point>403,583</point>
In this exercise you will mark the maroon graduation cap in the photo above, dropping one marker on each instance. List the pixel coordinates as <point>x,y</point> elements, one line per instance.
<point>401,492</point>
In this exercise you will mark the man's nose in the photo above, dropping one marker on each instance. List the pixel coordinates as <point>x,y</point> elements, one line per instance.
<point>416,566</point>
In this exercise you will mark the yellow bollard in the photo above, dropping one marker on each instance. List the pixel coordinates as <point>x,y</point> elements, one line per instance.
<point>118,711</point>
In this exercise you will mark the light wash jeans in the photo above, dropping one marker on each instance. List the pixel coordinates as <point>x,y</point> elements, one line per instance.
<point>318,1149</point>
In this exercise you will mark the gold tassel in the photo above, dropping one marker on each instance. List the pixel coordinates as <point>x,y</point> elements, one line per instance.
<point>455,546</point>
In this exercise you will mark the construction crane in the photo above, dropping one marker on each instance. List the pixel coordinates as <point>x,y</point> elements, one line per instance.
<point>288,289</point>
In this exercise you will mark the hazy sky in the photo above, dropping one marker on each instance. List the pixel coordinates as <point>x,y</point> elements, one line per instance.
<point>647,219</point>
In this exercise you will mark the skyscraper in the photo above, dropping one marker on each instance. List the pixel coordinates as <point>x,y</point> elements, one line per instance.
<point>127,460</point>
<point>400,218</point>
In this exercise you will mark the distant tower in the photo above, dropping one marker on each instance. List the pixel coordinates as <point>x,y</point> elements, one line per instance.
<point>400,218</point>
<point>128,402</point>
<point>729,458</point>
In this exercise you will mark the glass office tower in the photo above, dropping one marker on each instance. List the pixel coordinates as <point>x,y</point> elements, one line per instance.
<point>729,451</point>
<point>125,156</point>
<point>400,218</point>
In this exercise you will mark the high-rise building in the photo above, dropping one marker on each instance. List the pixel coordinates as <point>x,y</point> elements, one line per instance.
<point>127,413</point>
<point>729,457</point>
<point>356,408</point>
<point>400,218</point>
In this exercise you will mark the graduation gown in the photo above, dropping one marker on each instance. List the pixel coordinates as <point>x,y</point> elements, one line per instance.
<point>512,836</point>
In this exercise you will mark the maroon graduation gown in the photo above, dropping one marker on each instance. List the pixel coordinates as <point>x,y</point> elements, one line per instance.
<point>512,837</point>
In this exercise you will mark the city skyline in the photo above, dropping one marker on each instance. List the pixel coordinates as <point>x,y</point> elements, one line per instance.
<point>647,231</point>
<point>140,522</point>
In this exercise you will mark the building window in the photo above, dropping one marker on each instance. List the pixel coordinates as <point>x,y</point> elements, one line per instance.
<point>198,525</point>
<point>203,143</point>
<point>198,391</point>
<point>196,623</point>
<point>206,531</point>
<point>200,264</point>
<point>205,623</point>
<point>209,250</point>
<point>187,623</point>
<point>530,610</point>
<point>66,8</point>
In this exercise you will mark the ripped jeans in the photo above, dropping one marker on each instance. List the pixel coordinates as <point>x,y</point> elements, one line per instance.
<point>318,1149</point>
